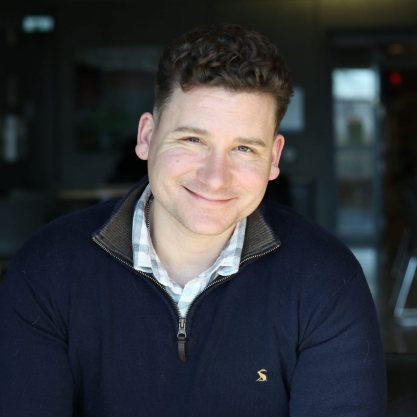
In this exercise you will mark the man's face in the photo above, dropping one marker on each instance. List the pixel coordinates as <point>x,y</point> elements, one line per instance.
<point>210,157</point>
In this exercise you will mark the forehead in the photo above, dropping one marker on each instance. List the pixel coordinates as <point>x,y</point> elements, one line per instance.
<point>205,105</point>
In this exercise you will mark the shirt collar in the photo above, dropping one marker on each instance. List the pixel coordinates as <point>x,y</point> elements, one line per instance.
<point>115,235</point>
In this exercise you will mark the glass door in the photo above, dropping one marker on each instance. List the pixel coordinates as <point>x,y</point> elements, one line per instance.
<point>355,99</point>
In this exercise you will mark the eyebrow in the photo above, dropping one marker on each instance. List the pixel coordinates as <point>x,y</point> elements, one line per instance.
<point>251,141</point>
<point>240,140</point>
<point>192,129</point>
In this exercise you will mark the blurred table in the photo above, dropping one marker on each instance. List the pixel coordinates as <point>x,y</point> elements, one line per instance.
<point>99,193</point>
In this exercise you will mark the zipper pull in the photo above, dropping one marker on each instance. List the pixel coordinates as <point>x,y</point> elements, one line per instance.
<point>181,339</point>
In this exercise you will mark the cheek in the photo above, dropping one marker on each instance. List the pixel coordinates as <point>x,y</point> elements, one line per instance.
<point>253,175</point>
<point>256,183</point>
<point>172,164</point>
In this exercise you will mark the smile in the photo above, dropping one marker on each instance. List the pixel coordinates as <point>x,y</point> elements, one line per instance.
<point>208,200</point>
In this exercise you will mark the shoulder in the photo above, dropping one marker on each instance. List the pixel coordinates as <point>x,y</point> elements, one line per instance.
<point>78,224</point>
<point>300,234</point>
<point>309,252</point>
<point>63,238</point>
<point>317,277</point>
<point>54,261</point>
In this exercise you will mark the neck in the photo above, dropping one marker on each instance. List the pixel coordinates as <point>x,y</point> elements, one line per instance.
<point>183,254</point>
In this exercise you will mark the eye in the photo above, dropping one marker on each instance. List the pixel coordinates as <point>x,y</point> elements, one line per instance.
<point>192,139</point>
<point>245,149</point>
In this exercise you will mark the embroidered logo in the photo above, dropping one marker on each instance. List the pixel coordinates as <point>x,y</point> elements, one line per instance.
<point>262,376</point>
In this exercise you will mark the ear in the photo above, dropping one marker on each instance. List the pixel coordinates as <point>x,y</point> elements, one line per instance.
<point>277,147</point>
<point>146,128</point>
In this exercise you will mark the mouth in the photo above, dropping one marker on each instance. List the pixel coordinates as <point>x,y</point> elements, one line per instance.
<point>206,199</point>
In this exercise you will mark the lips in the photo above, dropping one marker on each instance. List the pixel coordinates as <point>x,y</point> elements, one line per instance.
<point>207,199</point>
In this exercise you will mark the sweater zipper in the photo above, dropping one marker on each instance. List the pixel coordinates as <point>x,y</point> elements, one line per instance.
<point>182,334</point>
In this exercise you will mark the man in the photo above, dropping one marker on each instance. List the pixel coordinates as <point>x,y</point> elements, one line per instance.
<point>189,297</point>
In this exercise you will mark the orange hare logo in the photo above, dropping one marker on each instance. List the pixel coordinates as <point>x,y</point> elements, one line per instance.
<point>262,376</point>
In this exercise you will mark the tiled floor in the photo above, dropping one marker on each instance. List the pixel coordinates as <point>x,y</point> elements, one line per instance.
<point>377,269</point>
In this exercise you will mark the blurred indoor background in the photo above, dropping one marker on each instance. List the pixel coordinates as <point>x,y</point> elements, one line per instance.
<point>75,76</point>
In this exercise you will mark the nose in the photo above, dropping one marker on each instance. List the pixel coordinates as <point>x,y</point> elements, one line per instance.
<point>215,172</point>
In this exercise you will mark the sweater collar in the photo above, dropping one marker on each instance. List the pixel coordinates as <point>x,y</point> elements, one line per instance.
<point>115,235</point>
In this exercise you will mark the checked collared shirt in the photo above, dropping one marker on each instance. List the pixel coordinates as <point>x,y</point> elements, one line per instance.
<point>146,260</point>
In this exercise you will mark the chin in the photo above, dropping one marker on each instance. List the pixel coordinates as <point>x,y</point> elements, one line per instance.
<point>211,228</point>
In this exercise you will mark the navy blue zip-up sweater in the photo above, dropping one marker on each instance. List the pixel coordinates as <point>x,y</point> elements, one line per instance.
<point>293,333</point>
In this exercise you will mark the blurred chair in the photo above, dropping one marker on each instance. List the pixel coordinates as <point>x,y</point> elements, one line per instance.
<point>21,214</point>
<point>402,384</point>
<point>406,255</point>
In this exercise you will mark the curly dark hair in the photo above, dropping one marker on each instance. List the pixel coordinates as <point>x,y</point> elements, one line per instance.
<point>223,55</point>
